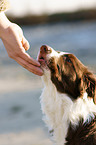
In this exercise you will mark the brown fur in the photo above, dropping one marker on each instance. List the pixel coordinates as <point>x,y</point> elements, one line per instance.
<point>85,134</point>
<point>70,76</point>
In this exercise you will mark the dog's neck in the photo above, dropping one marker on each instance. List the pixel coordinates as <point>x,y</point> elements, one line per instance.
<point>60,110</point>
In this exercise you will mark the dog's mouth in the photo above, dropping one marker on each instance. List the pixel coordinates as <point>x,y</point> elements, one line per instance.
<point>41,59</point>
<point>43,62</point>
<point>43,55</point>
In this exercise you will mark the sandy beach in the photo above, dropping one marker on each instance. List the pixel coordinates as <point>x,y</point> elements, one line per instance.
<point>36,137</point>
<point>20,114</point>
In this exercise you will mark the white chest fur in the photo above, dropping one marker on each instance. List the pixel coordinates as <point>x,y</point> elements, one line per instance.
<point>55,107</point>
<point>59,110</point>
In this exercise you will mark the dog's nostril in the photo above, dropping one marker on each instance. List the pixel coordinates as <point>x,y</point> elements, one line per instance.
<point>45,49</point>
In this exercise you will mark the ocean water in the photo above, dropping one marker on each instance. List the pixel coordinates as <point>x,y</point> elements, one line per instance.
<point>20,90</point>
<point>77,38</point>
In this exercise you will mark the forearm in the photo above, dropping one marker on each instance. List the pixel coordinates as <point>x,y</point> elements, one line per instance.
<point>4,24</point>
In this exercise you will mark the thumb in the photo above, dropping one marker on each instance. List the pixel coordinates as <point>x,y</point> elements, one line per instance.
<point>25,43</point>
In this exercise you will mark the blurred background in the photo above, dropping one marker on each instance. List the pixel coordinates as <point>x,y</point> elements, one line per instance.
<point>65,25</point>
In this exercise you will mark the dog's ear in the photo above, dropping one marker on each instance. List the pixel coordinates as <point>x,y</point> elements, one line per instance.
<point>90,85</point>
<point>95,93</point>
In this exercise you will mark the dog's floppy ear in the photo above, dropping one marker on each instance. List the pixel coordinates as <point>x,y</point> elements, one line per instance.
<point>90,85</point>
<point>95,93</point>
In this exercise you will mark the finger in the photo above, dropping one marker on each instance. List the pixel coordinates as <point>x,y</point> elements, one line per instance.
<point>35,70</point>
<point>25,43</point>
<point>25,56</point>
<point>30,67</point>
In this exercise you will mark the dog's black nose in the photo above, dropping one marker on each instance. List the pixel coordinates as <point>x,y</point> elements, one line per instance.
<point>45,49</point>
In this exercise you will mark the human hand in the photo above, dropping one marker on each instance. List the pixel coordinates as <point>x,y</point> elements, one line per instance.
<point>16,44</point>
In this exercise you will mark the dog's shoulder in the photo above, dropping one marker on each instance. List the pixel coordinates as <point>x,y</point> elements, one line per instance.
<point>84,134</point>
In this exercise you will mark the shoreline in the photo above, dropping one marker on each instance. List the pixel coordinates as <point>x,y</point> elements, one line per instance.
<point>81,15</point>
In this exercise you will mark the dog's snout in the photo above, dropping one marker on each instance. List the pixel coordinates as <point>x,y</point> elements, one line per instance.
<point>45,49</point>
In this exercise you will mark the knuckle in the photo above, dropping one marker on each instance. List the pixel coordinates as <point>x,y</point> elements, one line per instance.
<point>13,55</point>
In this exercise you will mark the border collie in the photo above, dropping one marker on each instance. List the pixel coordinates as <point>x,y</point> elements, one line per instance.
<point>68,100</point>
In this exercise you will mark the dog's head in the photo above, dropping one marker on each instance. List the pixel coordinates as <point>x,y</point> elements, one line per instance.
<point>67,73</point>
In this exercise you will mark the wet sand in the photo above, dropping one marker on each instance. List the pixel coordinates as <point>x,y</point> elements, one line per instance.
<point>36,137</point>
<point>20,112</point>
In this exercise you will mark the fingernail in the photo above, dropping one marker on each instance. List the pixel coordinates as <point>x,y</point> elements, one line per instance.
<point>41,72</point>
<point>38,63</point>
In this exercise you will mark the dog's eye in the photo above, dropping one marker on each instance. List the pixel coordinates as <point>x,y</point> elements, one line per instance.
<point>67,59</point>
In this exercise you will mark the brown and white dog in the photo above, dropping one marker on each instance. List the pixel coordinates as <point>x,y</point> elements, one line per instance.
<point>68,98</point>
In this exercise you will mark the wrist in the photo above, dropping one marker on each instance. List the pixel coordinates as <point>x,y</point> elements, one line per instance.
<point>4,24</point>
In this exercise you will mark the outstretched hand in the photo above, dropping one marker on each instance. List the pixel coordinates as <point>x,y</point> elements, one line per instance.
<point>16,46</point>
